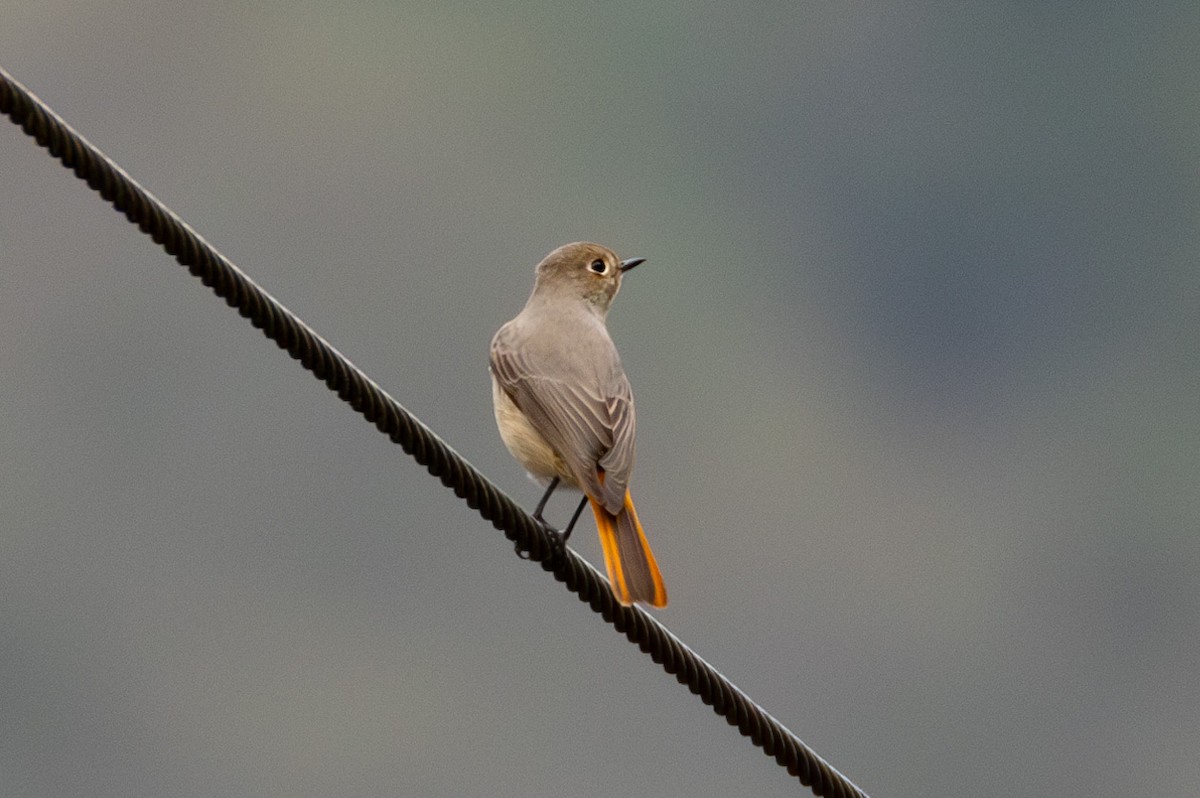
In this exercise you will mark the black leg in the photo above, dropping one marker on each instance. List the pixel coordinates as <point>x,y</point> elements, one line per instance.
<point>567,532</point>
<point>545,498</point>
<point>537,514</point>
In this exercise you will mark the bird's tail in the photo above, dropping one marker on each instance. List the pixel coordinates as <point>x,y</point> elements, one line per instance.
<point>632,570</point>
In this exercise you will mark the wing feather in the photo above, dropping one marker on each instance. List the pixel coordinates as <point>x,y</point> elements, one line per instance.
<point>581,403</point>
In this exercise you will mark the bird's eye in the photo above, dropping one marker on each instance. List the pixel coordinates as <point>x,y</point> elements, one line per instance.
<point>598,266</point>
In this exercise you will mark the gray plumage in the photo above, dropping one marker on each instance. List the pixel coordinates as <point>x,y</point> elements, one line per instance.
<point>565,409</point>
<point>562,370</point>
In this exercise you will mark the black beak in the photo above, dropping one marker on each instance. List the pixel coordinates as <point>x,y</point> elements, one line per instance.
<point>626,265</point>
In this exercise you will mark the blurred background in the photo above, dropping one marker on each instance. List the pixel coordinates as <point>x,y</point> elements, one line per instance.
<point>915,355</point>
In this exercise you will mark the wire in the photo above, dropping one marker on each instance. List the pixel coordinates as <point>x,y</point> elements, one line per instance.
<point>360,392</point>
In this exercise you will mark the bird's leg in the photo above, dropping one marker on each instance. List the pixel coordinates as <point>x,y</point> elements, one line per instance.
<point>560,538</point>
<point>537,516</point>
<point>578,510</point>
<point>537,513</point>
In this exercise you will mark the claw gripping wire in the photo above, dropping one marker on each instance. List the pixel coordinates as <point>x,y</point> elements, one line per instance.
<point>373,403</point>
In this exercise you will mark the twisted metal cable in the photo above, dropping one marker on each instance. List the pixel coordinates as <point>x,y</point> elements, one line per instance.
<point>360,392</point>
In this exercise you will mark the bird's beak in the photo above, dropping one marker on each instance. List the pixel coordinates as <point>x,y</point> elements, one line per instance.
<point>626,265</point>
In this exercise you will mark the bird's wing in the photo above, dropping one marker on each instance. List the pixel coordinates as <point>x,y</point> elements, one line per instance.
<point>585,413</point>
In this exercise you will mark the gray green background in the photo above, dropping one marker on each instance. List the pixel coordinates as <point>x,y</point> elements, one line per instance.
<point>915,354</point>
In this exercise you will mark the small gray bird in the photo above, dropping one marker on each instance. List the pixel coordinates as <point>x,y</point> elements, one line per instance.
<point>565,409</point>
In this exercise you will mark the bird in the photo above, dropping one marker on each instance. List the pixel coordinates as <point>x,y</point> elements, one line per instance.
<point>564,406</point>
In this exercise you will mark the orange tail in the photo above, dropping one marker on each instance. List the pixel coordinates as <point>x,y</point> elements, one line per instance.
<point>632,570</point>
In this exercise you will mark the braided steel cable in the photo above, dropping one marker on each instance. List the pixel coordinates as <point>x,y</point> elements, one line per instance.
<point>360,392</point>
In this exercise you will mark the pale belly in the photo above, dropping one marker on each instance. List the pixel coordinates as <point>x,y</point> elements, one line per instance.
<point>526,443</point>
